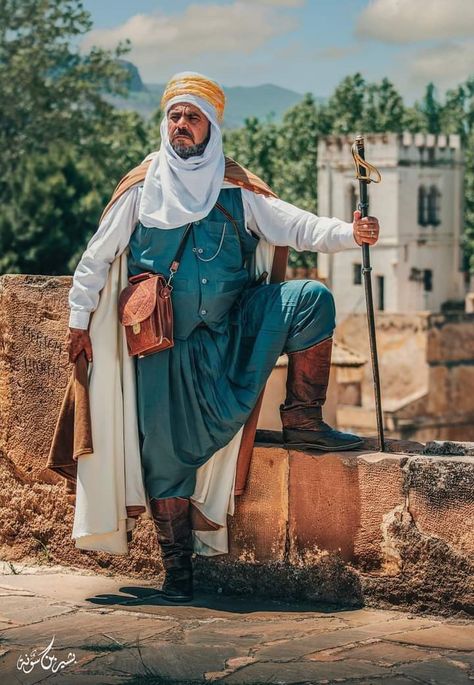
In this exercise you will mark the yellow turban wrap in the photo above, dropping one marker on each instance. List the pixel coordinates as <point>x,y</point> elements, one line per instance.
<point>190,83</point>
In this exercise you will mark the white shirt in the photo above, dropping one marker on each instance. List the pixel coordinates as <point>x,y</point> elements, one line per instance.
<point>278,222</point>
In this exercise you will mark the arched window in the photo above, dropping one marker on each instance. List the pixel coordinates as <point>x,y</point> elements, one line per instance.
<point>353,199</point>
<point>422,206</point>
<point>434,206</point>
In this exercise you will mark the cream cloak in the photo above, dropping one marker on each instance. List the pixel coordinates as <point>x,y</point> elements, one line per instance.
<point>111,478</point>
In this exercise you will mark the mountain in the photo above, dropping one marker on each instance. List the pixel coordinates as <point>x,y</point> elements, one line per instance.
<point>135,83</point>
<point>264,102</point>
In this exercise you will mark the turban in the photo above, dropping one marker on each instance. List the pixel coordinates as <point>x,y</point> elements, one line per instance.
<point>190,83</point>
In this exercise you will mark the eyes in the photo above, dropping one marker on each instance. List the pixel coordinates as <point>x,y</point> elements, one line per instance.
<point>193,118</point>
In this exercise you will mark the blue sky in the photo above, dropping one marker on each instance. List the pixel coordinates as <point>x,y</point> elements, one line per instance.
<point>305,45</point>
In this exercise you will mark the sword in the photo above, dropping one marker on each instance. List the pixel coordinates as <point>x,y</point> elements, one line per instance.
<point>363,174</point>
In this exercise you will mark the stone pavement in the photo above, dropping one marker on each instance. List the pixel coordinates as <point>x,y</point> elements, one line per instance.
<point>110,630</point>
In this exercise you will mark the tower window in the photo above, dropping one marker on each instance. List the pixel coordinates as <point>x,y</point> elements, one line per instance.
<point>353,199</point>
<point>428,280</point>
<point>434,206</point>
<point>380,293</point>
<point>422,206</point>
<point>357,274</point>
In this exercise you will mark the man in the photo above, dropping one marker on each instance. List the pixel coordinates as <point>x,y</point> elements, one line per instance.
<point>193,398</point>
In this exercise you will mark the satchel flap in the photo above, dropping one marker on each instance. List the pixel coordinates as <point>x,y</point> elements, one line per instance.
<point>137,302</point>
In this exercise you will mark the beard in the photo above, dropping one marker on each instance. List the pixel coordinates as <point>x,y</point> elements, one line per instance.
<point>185,151</point>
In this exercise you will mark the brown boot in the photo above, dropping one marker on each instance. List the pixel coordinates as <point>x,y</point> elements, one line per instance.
<point>306,387</point>
<point>172,521</point>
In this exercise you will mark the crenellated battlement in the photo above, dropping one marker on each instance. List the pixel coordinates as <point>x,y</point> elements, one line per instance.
<point>393,149</point>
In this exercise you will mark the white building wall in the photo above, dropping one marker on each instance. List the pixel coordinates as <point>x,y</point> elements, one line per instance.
<point>405,249</point>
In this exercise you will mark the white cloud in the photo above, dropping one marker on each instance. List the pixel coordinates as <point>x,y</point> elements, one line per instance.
<point>407,21</point>
<point>446,65</point>
<point>202,35</point>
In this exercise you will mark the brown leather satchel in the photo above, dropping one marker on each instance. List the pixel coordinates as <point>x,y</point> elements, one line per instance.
<point>145,309</point>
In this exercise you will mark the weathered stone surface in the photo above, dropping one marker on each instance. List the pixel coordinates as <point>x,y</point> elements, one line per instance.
<point>382,653</point>
<point>9,669</point>
<point>182,663</point>
<point>445,637</point>
<point>324,505</point>
<point>241,641</point>
<point>440,500</point>
<point>90,628</point>
<point>380,493</point>
<point>444,448</point>
<point>450,338</point>
<point>439,672</point>
<point>34,369</point>
<point>299,672</point>
<point>426,371</point>
<point>258,528</point>
<point>455,386</point>
<point>21,609</point>
<point>401,346</point>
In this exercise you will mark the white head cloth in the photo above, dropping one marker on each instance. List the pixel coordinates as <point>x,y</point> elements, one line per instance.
<point>176,190</point>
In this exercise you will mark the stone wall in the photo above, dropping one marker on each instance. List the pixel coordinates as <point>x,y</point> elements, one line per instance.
<point>427,375</point>
<point>354,528</point>
<point>348,528</point>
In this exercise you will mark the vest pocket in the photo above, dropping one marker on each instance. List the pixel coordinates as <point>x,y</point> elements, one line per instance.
<point>237,283</point>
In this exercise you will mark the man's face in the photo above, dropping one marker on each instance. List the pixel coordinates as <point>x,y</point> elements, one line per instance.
<point>188,129</point>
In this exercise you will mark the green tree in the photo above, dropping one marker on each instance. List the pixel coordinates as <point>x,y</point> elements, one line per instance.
<point>63,146</point>
<point>253,146</point>
<point>457,116</point>
<point>383,108</point>
<point>347,104</point>
<point>424,116</point>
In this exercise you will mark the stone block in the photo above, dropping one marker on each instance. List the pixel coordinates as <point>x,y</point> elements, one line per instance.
<point>454,391</point>
<point>380,487</point>
<point>460,638</point>
<point>450,339</point>
<point>34,369</point>
<point>440,500</point>
<point>324,503</point>
<point>257,531</point>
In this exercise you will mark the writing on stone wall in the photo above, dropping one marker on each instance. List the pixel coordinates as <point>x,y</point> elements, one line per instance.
<point>46,352</point>
<point>41,340</point>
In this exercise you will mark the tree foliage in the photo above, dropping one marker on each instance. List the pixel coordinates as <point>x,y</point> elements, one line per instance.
<point>63,145</point>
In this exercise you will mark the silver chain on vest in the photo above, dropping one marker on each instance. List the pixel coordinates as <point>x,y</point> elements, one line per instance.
<point>210,259</point>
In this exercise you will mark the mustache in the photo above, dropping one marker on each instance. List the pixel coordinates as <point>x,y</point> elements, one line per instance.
<point>183,132</point>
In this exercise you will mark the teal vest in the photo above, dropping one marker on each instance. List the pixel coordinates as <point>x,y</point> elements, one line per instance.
<point>214,269</point>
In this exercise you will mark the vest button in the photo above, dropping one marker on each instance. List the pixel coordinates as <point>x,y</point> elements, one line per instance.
<point>203,312</point>
<point>203,280</point>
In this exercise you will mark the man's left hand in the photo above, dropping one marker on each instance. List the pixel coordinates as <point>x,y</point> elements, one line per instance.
<point>366,230</point>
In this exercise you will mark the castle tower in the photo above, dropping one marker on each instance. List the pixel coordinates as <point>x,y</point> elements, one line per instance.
<point>416,265</point>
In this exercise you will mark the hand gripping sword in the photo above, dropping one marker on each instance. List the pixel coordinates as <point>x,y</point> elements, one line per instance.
<point>363,174</point>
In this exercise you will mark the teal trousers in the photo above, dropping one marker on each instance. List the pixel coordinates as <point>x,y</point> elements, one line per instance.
<point>193,398</point>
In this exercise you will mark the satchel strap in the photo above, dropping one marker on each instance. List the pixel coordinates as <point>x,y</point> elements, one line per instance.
<point>174,266</point>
